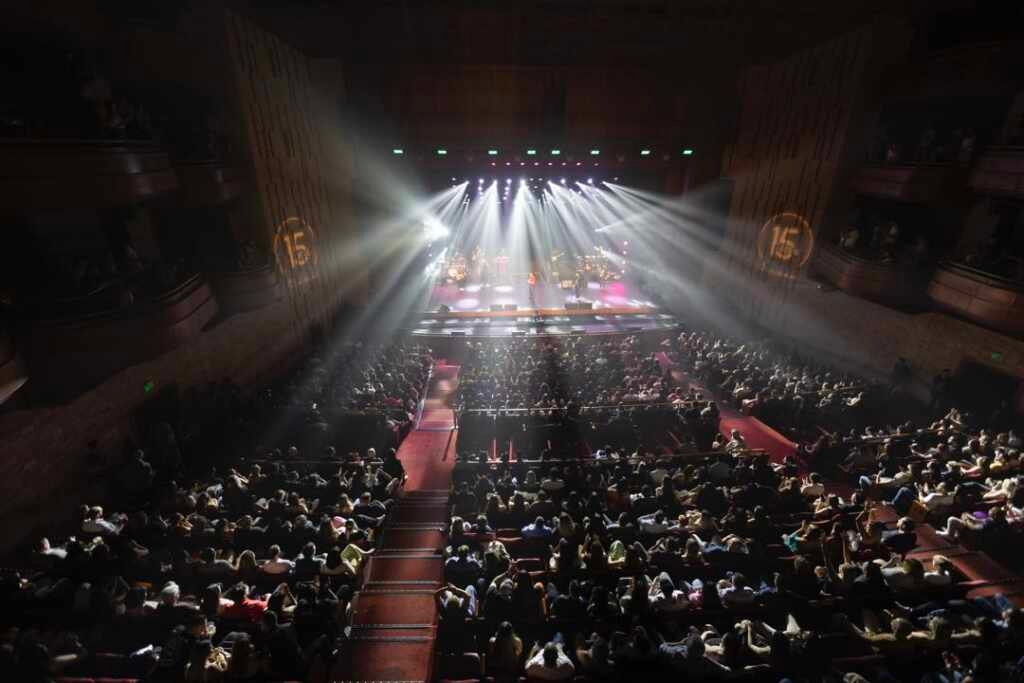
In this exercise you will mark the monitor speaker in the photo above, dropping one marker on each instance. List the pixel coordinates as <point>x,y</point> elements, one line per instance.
<point>457,333</point>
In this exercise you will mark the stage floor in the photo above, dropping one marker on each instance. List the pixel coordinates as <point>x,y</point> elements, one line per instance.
<point>616,307</point>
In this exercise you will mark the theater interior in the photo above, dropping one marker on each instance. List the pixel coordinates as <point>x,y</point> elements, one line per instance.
<point>548,340</point>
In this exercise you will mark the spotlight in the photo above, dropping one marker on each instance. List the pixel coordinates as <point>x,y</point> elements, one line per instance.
<point>398,152</point>
<point>453,179</point>
<point>492,152</point>
<point>508,181</point>
<point>442,152</point>
<point>645,152</point>
<point>590,181</point>
<point>563,181</point>
<point>595,152</point>
<point>531,152</point>
<point>687,152</point>
<point>480,181</point>
<point>555,152</point>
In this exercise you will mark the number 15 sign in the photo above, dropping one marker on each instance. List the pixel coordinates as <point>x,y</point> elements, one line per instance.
<point>295,245</point>
<point>785,244</point>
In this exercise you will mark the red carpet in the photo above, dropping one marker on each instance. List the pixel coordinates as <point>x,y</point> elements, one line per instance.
<point>757,434</point>
<point>393,634</point>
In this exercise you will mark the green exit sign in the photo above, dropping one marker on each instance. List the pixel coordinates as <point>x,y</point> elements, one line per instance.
<point>996,356</point>
<point>148,387</point>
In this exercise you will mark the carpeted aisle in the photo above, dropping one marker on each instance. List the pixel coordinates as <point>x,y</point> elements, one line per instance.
<point>394,621</point>
<point>756,433</point>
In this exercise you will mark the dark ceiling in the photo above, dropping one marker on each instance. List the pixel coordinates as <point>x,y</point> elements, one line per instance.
<point>566,32</point>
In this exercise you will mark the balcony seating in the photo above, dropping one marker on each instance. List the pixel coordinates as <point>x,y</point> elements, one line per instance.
<point>891,283</point>
<point>13,374</point>
<point>989,300</point>
<point>70,174</point>
<point>247,289</point>
<point>1000,171</point>
<point>923,183</point>
<point>72,352</point>
<point>207,183</point>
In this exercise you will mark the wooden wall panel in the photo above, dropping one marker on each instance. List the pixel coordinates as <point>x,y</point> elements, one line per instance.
<point>790,144</point>
<point>285,104</point>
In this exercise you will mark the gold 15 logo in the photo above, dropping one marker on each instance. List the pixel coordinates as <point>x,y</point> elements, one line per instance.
<point>785,241</point>
<point>295,244</point>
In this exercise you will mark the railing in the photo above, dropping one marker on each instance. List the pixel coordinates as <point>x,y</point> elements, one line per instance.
<point>540,412</point>
<point>982,297</point>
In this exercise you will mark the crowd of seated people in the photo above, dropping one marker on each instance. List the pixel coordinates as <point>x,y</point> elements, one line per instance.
<point>884,242</point>
<point>929,146</point>
<point>726,568</point>
<point>206,566</point>
<point>357,392</point>
<point>555,373</point>
<point>790,393</point>
<point>730,566</point>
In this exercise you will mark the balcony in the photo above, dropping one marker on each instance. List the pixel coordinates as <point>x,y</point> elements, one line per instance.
<point>924,183</point>
<point>246,290</point>
<point>73,352</point>
<point>13,374</point>
<point>890,283</point>
<point>82,174</point>
<point>1000,171</point>
<point>207,183</point>
<point>989,300</point>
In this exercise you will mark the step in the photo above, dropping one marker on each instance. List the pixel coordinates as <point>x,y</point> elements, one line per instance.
<point>395,607</point>
<point>397,538</point>
<point>439,515</point>
<point>394,659</point>
<point>382,568</point>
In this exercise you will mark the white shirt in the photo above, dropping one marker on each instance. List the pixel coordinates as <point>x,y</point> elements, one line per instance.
<point>669,603</point>
<point>562,670</point>
<point>278,566</point>
<point>100,526</point>
<point>936,500</point>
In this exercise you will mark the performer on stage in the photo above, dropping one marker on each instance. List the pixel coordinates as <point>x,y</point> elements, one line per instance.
<point>531,280</point>
<point>579,284</point>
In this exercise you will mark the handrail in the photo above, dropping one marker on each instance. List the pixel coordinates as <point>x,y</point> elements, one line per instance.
<point>545,411</point>
<point>590,458</point>
<point>975,272</point>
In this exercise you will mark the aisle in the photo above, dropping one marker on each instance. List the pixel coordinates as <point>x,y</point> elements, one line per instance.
<point>394,619</point>
<point>756,433</point>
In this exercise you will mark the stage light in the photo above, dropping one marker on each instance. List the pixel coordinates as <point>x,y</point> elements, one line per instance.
<point>492,152</point>
<point>687,152</point>
<point>508,181</point>
<point>555,152</point>
<point>434,229</point>
<point>398,152</point>
<point>645,152</point>
<point>595,152</point>
<point>480,181</point>
<point>442,152</point>
<point>563,181</point>
<point>453,179</point>
<point>590,181</point>
<point>531,152</point>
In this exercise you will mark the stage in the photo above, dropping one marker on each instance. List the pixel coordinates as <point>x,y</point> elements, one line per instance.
<point>603,308</point>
